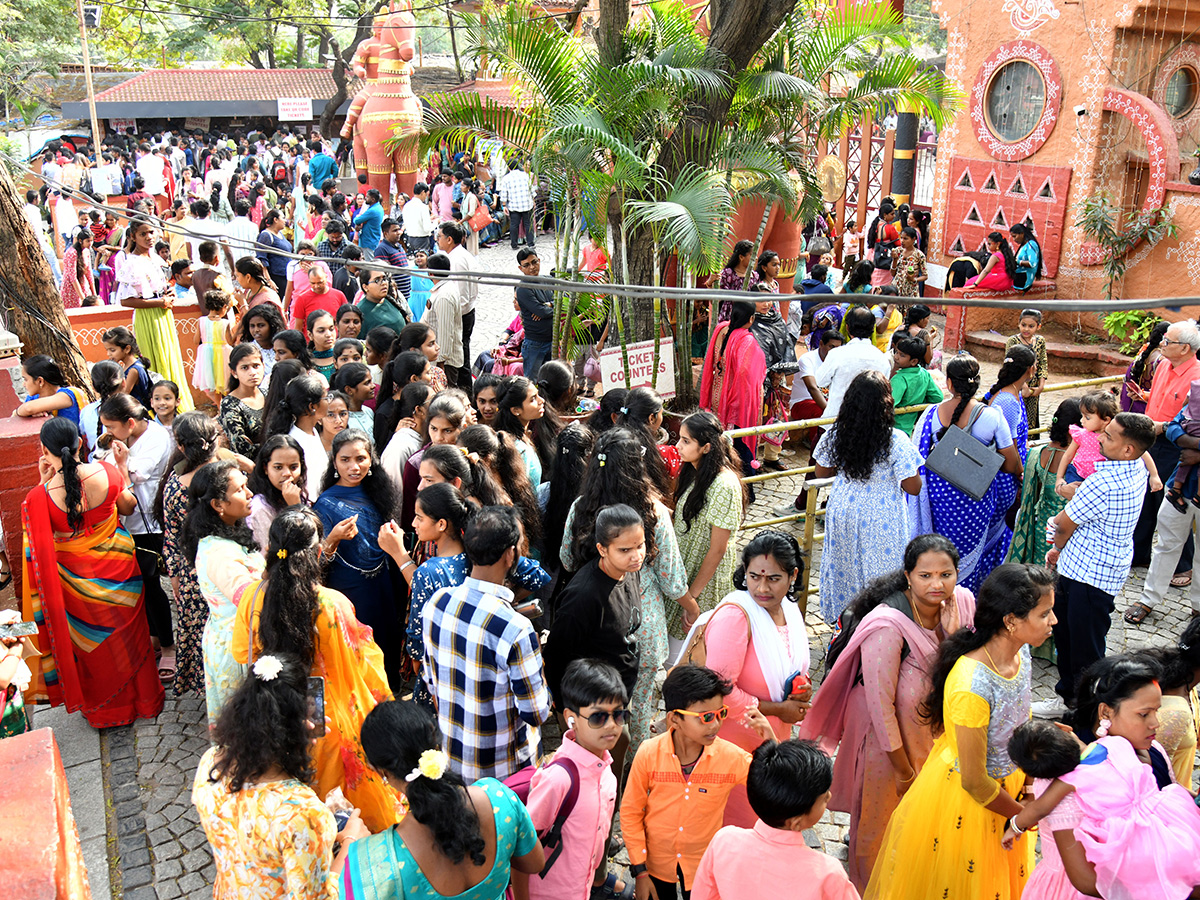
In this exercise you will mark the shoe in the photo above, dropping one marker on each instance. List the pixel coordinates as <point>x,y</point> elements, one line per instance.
<point>786,509</point>
<point>1049,709</point>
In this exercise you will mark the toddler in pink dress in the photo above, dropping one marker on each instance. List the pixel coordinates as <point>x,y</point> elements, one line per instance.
<point>1097,408</point>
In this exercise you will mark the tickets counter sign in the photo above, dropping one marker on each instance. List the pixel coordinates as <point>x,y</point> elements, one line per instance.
<point>295,109</point>
<point>641,365</point>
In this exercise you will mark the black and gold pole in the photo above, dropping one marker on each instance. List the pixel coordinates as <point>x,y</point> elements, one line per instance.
<point>904,154</point>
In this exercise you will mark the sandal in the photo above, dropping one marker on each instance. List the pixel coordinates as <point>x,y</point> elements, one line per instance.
<point>1183,579</point>
<point>1175,498</point>
<point>608,890</point>
<point>166,668</point>
<point>1137,612</point>
<point>5,579</point>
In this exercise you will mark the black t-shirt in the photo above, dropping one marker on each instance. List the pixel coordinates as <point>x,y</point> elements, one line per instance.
<point>597,618</point>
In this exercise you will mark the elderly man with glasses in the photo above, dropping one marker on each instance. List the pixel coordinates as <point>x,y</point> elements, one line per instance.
<point>375,306</point>
<point>1168,395</point>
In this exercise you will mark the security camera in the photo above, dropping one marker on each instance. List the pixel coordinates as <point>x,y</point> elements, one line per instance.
<point>1081,110</point>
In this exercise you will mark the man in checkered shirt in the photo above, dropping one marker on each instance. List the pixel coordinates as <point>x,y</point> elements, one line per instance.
<point>482,663</point>
<point>1093,549</point>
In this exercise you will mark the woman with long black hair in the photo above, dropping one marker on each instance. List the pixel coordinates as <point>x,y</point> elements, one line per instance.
<point>304,404</point>
<point>289,612</point>
<point>524,414</point>
<point>1001,268</point>
<point>735,369</point>
<point>1028,258</point>
<point>876,465</point>
<point>642,413</point>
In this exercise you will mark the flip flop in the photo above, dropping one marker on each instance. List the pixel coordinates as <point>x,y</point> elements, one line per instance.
<point>1183,579</point>
<point>1137,612</point>
<point>166,668</point>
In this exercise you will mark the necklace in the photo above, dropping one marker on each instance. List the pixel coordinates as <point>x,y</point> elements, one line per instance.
<point>913,607</point>
<point>995,667</point>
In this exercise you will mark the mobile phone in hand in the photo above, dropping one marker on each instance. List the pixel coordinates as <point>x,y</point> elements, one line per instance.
<point>316,705</point>
<point>18,630</point>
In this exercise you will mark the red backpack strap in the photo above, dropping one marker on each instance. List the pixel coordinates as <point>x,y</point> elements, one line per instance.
<point>552,839</point>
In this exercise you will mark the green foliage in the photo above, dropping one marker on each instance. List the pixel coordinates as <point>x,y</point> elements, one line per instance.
<point>1131,328</point>
<point>1117,232</point>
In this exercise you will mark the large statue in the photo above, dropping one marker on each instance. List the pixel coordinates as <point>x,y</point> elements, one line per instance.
<point>391,109</point>
<point>365,65</point>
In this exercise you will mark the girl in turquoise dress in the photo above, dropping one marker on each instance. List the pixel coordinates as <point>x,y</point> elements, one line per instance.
<point>467,839</point>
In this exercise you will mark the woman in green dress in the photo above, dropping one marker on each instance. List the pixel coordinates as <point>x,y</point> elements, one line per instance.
<point>709,503</point>
<point>142,286</point>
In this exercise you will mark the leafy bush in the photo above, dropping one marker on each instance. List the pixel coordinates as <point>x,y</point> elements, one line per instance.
<point>1131,328</point>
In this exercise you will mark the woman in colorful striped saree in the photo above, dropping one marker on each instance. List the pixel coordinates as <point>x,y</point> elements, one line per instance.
<point>82,586</point>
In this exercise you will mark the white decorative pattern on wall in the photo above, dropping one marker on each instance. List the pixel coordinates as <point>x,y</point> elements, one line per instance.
<point>1038,56</point>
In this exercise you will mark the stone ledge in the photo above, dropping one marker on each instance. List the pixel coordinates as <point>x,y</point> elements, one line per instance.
<point>1074,359</point>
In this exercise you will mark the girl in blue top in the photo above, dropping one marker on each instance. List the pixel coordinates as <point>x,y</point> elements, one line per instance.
<point>1029,256</point>
<point>47,391</point>
<point>122,348</point>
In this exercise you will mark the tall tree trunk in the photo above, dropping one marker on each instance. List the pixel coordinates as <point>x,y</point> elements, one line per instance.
<point>614,16</point>
<point>458,69</point>
<point>300,48</point>
<point>339,79</point>
<point>35,310</point>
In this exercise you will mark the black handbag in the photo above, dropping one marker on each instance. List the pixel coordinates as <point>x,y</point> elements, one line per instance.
<point>883,249</point>
<point>965,461</point>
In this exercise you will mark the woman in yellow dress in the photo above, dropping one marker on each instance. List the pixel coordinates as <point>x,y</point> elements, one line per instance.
<point>943,840</point>
<point>289,612</point>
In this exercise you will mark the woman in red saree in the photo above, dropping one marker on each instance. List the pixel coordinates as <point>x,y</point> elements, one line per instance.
<point>735,369</point>
<point>82,586</point>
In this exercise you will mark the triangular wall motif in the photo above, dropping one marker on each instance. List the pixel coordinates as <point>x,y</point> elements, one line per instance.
<point>1028,218</point>
<point>965,181</point>
<point>983,247</point>
<point>973,216</point>
<point>1046,192</point>
<point>998,220</point>
<point>990,185</point>
<point>957,246</point>
<point>1017,187</point>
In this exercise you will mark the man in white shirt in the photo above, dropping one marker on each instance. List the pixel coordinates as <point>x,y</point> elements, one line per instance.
<point>516,196</point>
<point>106,178</point>
<point>33,215</point>
<point>242,232</point>
<point>443,313</point>
<point>450,237</point>
<point>177,157</point>
<point>844,363</point>
<point>418,223</point>
<point>150,166</point>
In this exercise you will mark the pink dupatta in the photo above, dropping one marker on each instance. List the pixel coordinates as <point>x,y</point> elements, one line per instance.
<point>826,720</point>
<point>740,400</point>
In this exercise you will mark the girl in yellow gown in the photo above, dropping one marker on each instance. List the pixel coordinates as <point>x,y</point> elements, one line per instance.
<point>943,840</point>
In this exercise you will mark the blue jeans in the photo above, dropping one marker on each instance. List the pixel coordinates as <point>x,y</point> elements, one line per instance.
<point>533,354</point>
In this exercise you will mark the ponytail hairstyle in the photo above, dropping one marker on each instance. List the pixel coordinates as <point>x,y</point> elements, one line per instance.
<point>1067,414</point>
<point>614,475</point>
<point>917,313</point>
<point>1025,229</point>
<point>500,477</point>
<point>296,345</point>
<point>260,484</point>
<point>122,408</point>
<point>398,373</point>
<point>209,484</point>
<point>445,405</point>
<point>705,428</point>
<point>513,392</point>
<point>605,416</point>
<point>197,437</point>
<point>377,485</point>
<point>313,318</point>
<point>301,395</point>
<point>1010,261</point>
<point>1156,338</point>
<point>740,316</point>
<point>106,379</point>
<point>45,368</point>
<point>264,726</point>
<point>451,462</point>
<point>290,585</point>
<point>240,352</point>
<point>962,373</point>
<point>445,501</point>
<point>122,337</point>
<point>60,437</point>
<point>412,337</point>
<point>880,589</point>
<point>412,397</point>
<point>395,736</point>
<point>640,404</point>
<point>556,384</point>
<point>1012,589</point>
<point>612,520</point>
<point>575,444</point>
<point>1016,363</point>
<point>1110,680</point>
<point>77,245</point>
<point>282,374</point>
<point>268,312</point>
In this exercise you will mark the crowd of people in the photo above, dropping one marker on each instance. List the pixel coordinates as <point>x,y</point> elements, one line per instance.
<point>392,570</point>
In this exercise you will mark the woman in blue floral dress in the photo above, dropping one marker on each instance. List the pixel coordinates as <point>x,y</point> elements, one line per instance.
<point>875,466</point>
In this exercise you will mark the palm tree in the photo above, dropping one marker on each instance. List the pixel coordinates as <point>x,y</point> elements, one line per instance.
<point>30,109</point>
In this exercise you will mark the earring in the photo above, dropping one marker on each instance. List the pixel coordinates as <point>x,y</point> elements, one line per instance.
<point>1102,728</point>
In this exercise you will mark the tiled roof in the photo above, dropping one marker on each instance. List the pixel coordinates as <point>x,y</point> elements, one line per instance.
<point>217,85</point>
<point>499,91</point>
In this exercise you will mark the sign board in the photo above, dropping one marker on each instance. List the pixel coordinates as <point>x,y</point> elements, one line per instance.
<point>295,109</point>
<point>641,363</point>
<point>119,125</point>
<point>196,123</point>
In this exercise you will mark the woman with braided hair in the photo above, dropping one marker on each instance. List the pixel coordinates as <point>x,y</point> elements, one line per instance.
<point>977,527</point>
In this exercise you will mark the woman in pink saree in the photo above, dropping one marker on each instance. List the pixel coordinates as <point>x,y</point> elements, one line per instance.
<point>735,369</point>
<point>877,678</point>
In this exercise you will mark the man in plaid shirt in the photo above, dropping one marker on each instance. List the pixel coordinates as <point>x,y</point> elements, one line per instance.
<point>482,663</point>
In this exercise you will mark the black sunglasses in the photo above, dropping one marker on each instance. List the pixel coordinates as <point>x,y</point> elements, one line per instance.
<point>600,719</point>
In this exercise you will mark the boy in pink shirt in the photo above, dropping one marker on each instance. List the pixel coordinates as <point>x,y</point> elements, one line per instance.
<point>594,700</point>
<point>788,786</point>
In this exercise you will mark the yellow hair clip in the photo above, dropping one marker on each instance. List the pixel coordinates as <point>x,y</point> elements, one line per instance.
<point>281,553</point>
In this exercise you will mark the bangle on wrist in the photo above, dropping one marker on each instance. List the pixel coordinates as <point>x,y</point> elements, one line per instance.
<point>404,565</point>
<point>1016,829</point>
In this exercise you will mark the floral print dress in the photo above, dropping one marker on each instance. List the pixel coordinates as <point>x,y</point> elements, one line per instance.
<point>722,509</point>
<point>906,270</point>
<point>242,424</point>
<point>191,611</point>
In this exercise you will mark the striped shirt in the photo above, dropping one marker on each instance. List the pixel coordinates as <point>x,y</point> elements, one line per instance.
<point>483,667</point>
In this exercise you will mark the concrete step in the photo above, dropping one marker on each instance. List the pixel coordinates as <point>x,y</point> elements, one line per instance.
<point>1065,358</point>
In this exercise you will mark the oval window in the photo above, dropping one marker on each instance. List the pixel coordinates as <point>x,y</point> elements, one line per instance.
<point>1180,96</point>
<point>1015,100</point>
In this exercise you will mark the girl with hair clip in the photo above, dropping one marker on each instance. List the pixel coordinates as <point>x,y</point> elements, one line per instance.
<point>876,677</point>
<point>642,413</point>
<point>304,404</point>
<point>227,560</point>
<point>444,421</point>
<point>956,806</point>
<point>441,840</point>
<point>122,349</point>
<point>616,474</point>
<point>420,336</point>
<point>260,324</point>
<point>405,439</point>
<point>46,391</point>
<point>557,386</point>
<point>289,612</point>
<point>404,369</point>
<point>977,527</point>
<point>243,407</point>
<point>79,571</point>
<point>197,441</point>
<point>106,381</point>
<point>555,497</point>
<point>356,499</point>
<point>498,477</point>
<point>279,480</point>
<point>606,416</point>
<point>270,834</point>
<point>523,414</point>
<point>1001,268</point>
<point>1139,376</point>
<point>709,505</point>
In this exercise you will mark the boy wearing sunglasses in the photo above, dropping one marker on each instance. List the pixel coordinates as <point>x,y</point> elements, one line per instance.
<point>675,798</point>
<point>594,702</point>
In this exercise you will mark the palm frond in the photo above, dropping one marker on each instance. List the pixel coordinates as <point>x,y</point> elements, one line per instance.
<point>689,217</point>
<point>464,116</point>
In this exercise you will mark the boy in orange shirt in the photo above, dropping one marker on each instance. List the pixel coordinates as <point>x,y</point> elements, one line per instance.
<point>674,800</point>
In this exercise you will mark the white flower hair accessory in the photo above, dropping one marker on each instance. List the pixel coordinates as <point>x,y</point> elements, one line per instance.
<point>268,667</point>
<point>432,764</point>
